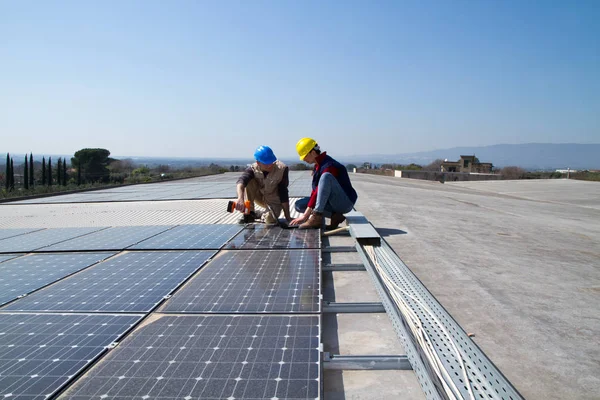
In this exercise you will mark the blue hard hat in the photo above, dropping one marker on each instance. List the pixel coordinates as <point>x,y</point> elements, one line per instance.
<point>264,154</point>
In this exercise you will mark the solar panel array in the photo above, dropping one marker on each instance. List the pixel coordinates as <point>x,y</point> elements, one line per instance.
<point>40,353</point>
<point>255,281</point>
<point>101,295</point>
<point>25,274</point>
<point>211,357</point>
<point>131,282</point>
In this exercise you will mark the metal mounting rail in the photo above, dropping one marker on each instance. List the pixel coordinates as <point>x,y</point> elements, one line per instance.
<point>352,308</point>
<point>339,249</point>
<point>343,267</point>
<point>445,334</point>
<point>339,362</point>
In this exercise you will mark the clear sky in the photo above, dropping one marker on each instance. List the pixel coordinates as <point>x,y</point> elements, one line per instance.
<point>216,79</point>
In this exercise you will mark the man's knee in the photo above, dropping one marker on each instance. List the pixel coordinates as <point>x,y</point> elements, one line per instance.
<point>326,176</point>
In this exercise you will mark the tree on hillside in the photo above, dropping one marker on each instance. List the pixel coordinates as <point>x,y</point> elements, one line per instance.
<point>7,180</point>
<point>512,172</point>
<point>435,165</point>
<point>92,164</point>
<point>12,175</point>
<point>64,172</point>
<point>31,170</point>
<point>43,171</point>
<point>49,171</point>
<point>26,174</point>
<point>59,172</point>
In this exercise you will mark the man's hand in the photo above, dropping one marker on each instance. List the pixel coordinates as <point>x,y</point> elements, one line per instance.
<point>286,211</point>
<point>240,204</point>
<point>303,218</point>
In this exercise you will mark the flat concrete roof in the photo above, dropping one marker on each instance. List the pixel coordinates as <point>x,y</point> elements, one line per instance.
<point>516,263</point>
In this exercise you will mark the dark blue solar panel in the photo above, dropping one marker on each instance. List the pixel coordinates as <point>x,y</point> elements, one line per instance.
<point>116,238</point>
<point>253,281</point>
<point>130,282</point>
<point>40,353</point>
<point>211,357</point>
<point>7,233</point>
<point>43,238</point>
<point>260,236</point>
<point>25,274</point>
<point>191,237</point>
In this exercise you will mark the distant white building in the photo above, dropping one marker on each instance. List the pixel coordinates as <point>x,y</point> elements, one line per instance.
<point>566,171</point>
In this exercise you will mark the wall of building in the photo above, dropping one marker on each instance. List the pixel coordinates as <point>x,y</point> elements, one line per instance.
<point>447,176</point>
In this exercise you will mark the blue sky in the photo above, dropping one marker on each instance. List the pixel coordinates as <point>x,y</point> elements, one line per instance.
<point>217,79</point>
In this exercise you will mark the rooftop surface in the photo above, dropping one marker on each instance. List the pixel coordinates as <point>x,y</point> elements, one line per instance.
<point>516,263</point>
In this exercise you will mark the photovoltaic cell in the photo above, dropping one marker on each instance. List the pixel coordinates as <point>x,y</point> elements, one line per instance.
<point>210,357</point>
<point>26,274</point>
<point>46,237</point>
<point>191,237</point>
<point>7,233</point>
<point>131,282</point>
<point>40,353</point>
<point>261,236</point>
<point>116,238</point>
<point>254,281</point>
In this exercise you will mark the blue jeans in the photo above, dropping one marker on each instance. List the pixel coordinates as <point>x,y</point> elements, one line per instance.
<point>331,198</point>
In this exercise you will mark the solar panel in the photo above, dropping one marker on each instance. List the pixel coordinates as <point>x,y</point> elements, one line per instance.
<point>40,353</point>
<point>6,233</point>
<point>116,238</point>
<point>46,237</point>
<point>210,357</point>
<point>260,236</point>
<point>6,257</point>
<point>131,282</point>
<point>188,237</point>
<point>254,281</point>
<point>26,274</point>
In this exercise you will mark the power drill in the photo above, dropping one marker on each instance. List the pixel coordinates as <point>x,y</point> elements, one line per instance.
<point>232,206</point>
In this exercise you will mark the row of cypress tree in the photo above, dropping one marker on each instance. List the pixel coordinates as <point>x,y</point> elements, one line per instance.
<point>28,172</point>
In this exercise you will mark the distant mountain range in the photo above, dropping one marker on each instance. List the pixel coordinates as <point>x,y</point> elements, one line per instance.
<point>532,156</point>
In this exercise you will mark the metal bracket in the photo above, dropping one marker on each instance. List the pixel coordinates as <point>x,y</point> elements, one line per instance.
<point>343,267</point>
<point>339,249</point>
<point>367,362</point>
<point>352,308</point>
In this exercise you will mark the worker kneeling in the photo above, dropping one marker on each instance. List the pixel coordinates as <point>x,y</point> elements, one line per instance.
<point>332,193</point>
<point>265,183</point>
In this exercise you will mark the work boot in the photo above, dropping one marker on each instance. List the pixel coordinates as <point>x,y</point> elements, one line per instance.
<point>248,218</point>
<point>336,220</point>
<point>314,221</point>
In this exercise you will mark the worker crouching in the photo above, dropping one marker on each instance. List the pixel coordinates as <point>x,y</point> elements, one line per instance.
<point>332,192</point>
<point>265,183</point>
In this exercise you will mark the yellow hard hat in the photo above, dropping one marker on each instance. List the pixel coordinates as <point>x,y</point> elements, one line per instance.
<point>304,146</point>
